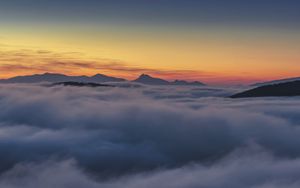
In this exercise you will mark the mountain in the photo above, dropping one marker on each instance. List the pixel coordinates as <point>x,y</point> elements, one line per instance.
<point>273,90</point>
<point>146,79</point>
<point>98,78</point>
<point>104,78</point>
<point>51,77</point>
<point>277,81</point>
<point>149,80</point>
<point>183,82</point>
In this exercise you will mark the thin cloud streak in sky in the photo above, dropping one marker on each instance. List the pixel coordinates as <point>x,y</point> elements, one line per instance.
<point>20,62</point>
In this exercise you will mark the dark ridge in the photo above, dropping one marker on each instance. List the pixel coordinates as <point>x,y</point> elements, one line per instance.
<point>55,78</point>
<point>274,90</point>
<point>183,82</point>
<point>149,80</point>
<point>98,78</point>
<point>81,84</point>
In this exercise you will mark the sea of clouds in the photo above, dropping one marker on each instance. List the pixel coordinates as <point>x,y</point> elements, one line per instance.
<point>145,137</point>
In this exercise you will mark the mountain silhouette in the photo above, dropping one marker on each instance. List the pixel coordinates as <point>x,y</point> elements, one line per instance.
<point>183,82</point>
<point>98,78</point>
<point>51,77</point>
<point>104,78</point>
<point>273,90</point>
<point>149,80</point>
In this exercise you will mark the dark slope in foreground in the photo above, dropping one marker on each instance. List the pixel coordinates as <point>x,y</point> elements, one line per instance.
<point>277,81</point>
<point>274,90</point>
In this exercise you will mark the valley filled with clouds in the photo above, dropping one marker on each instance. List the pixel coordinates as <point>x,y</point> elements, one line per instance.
<point>146,136</point>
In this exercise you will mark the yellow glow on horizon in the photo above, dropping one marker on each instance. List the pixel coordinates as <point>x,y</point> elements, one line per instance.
<point>260,56</point>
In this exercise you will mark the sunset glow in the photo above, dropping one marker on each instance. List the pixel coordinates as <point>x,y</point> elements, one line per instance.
<point>149,93</point>
<point>237,51</point>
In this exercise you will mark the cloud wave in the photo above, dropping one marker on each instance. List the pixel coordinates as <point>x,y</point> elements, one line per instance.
<point>140,137</point>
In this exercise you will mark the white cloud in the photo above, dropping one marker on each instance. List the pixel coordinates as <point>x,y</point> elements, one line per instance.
<point>113,132</point>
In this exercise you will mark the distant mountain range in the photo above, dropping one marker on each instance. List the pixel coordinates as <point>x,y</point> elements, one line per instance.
<point>98,78</point>
<point>291,88</point>
<point>277,81</point>
<point>50,77</point>
<point>147,79</point>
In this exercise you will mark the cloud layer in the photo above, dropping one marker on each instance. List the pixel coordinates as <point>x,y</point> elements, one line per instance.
<point>140,137</point>
<point>259,171</point>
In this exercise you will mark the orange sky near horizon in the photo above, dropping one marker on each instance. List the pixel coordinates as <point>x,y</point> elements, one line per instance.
<point>218,55</point>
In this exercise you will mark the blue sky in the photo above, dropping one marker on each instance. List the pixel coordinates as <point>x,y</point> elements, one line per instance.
<point>268,12</point>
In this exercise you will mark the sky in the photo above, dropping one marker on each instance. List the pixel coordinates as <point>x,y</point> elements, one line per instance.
<point>214,41</point>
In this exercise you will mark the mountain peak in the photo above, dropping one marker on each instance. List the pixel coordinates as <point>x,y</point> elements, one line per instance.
<point>147,79</point>
<point>145,76</point>
<point>99,75</point>
<point>49,73</point>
